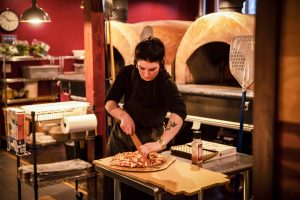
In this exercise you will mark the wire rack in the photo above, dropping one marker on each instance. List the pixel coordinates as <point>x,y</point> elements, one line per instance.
<point>185,151</point>
<point>55,111</point>
<point>210,150</point>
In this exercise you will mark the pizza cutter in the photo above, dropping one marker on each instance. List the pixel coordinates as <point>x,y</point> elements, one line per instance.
<point>138,144</point>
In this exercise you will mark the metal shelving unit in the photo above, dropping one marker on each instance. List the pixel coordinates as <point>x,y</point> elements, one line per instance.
<point>74,83</point>
<point>5,81</point>
<point>37,175</point>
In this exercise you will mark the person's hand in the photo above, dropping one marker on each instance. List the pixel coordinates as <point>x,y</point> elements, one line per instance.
<point>127,124</point>
<point>150,147</point>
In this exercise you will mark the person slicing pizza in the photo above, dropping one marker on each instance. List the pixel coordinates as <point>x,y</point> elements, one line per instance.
<point>149,92</point>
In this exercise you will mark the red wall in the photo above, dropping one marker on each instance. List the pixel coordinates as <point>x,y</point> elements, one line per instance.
<point>65,32</point>
<point>148,10</point>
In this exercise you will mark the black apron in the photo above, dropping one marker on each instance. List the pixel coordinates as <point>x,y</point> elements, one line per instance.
<point>149,123</point>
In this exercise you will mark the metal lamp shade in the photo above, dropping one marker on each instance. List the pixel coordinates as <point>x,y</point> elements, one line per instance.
<point>35,15</point>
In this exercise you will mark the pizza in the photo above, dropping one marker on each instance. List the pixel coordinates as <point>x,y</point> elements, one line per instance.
<point>136,160</point>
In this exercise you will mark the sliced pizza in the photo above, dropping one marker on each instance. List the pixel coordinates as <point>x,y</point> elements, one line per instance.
<point>135,160</point>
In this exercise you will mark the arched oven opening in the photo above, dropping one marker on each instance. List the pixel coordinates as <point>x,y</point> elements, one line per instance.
<point>209,64</point>
<point>119,61</point>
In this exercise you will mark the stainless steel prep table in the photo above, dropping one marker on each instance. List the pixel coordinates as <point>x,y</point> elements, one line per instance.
<point>240,163</point>
<point>75,85</point>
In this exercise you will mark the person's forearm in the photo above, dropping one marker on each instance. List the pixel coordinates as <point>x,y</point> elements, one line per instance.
<point>114,110</point>
<point>174,124</point>
<point>126,122</point>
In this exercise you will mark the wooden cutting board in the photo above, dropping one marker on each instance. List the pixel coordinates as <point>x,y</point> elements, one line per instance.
<point>178,178</point>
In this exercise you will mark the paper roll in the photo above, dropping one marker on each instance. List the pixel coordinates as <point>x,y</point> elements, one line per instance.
<point>78,123</point>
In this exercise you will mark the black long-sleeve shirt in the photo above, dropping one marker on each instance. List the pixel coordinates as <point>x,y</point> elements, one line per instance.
<point>160,95</point>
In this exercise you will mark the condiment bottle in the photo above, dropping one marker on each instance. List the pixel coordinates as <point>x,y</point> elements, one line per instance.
<point>197,148</point>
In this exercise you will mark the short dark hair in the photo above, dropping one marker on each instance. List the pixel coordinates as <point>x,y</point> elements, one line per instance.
<point>150,49</point>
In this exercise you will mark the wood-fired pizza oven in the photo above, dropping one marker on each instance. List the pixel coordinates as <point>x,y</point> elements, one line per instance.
<point>203,75</point>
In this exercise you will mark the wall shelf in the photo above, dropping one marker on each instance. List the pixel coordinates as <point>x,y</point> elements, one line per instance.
<point>32,58</point>
<point>31,100</point>
<point>15,80</point>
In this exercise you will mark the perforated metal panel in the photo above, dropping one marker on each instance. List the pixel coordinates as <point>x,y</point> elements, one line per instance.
<point>241,59</point>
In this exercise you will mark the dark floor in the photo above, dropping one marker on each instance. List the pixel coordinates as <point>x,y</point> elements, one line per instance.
<point>65,190</point>
<point>60,191</point>
<point>8,182</point>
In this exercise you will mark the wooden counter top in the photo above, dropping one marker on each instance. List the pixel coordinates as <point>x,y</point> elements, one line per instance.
<point>179,178</point>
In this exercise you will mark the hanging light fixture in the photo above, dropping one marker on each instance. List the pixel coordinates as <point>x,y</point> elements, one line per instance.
<point>82,4</point>
<point>35,14</point>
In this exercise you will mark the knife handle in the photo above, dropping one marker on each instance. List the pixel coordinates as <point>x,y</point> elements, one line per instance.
<point>138,144</point>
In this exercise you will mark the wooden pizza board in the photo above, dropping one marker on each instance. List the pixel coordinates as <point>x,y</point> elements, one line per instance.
<point>178,178</point>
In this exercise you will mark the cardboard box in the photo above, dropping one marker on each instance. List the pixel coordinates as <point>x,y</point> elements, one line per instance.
<point>16,131</point>
<point>15,116</point>
<point>19,146</point>
<point>15,123</point>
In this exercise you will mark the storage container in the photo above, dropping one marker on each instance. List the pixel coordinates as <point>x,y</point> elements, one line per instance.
<point>78,54</point>
<point>78,68</point>
<point>40,71</point>
<point>32,89</point>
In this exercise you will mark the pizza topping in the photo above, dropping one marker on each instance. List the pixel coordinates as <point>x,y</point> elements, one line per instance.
<point>136,160</point>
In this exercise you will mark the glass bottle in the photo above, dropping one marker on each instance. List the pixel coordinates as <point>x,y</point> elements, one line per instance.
<point>197,149</point>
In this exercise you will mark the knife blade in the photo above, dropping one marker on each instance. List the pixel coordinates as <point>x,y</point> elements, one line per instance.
<point>138,144</point>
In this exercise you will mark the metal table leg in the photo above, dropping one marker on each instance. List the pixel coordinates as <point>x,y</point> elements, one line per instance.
<point>34,154</point>
<point>158,196</point>
<point>246,185</point>
<point>18,180</point>
<point>117,190</point>
<point>200,195</point>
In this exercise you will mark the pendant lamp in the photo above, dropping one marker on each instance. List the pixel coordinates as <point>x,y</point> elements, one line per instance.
<point>35,14</point>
